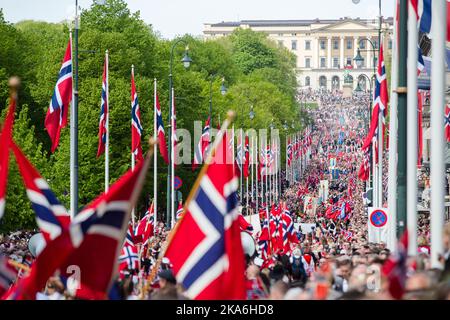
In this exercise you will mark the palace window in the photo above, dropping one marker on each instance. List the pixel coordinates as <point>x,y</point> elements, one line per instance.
<point>349,44</point>
<point>307,81</point>
<point>335,44</point>
<point>335,62</point>
<point>294,44</point>
<point>322,44</point>
<point>307,62</point>
<point>307,45</point>
<point>323,62</point>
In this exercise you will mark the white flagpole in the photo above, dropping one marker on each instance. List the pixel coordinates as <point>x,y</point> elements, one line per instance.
<point>392,175</point>
<point>411,138</point>
<point>437,163</point>
<point>172,175</point>
<point>252,167</point>
<point>257,168</point>
<point>107,124</point>
<point>375,175</point>
<point>132,152</point>
<point>155,159</point>
<point>241,144</point>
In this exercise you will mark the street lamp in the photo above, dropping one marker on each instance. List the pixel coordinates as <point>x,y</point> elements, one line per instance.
<point>358,59</point>
<point>223,88</point>
<point>251,114</point>
<point>186,60</point>
<point>285,125</point>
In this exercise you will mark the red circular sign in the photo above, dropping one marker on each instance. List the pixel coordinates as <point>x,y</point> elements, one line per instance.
<point>177,182</point>
<point>378,218</point>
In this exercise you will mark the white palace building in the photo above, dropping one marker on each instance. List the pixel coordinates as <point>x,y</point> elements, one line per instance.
<point>324,48</point>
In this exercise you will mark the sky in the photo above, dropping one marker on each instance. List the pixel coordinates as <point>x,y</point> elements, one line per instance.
<point>176,17</point>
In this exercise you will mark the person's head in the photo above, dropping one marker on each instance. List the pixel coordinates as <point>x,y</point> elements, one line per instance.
<point>166,278</point>
<point>278,290</point>
<point>54,285</point>
<point>252,271</point>
<point>344,266</point>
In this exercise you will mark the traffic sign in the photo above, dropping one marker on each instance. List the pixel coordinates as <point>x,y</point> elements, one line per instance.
<point>177,182</point>
<point>378,218</point>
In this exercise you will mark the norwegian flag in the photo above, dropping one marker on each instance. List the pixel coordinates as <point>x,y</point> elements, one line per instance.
<point>239,155</point>
<point>57,112</point>
<point>289,152</point>
<point>364,169</point>
<point>203,144</point>
<point>288,229</point>
<point>447,123</point>
<point>244,225</point>
<point>160,130</point>
<point>420,61</point>
<point>145,227</point>
<point>128,259</point>
<point>93,242</point>
<point>395,268</point>
<point>246,157</point>
<point>276,228</point>
<point>103,123</point>
<point>381,90</point>
<point>51,217</point>
<point>5,141</point>
<point>348,235</point>
<point>206,252</point>
<point>8,274</point>
<point>136,127</point>
<point>180,211</point>
<point>264,242</point>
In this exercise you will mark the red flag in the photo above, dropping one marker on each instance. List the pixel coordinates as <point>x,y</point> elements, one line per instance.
<point>57,112</point>
<point>92,243</point>
<point>136,126</point>
<point>5,141</point>
<point>244,225</point>
<point>206,250</point>
<point>246,157</point>
<point>447,123</point>
<point>102,127</point>
<point>364,169</point>
<point>395,268</point>
<point>161,133</point>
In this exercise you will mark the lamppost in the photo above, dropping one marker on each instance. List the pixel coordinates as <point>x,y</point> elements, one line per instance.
<point>186,60</point>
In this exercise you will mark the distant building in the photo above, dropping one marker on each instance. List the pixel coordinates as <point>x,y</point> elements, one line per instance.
<point>324,48</point>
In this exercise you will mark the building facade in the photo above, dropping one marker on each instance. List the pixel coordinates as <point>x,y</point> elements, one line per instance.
<point>324,48</point>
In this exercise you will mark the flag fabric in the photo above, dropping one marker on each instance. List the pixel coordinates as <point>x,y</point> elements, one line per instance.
<point>92,243</point>
<point>420,61</point>
<point>288,232</point>
<point>136,127</point>
<point>58,110</point>
<point>102,126</point>
<point>145,227</point>
<point>395,268</point>
<point>381,91</point>
<point>179,211</point>
<point>289,152</point>
<point>206,250</point>
<point>128,259</point>
<point>203,144</point>
<point>161,133</point>
<point>424,16</point>
<point>244,225</point>
<point>5,141</point>
<point>246,157</point>
<point>364,169</point>
<point>51,217</point>
<point>239,155</point>
<point>373,130</point>
<point>447,123</point>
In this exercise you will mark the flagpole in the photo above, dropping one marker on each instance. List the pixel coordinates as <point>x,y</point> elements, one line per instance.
<point>172,176</point>
<point>252,167</point>
<point>257,168</point>
<point>241,144</point>
<point>74,123</point>
<point>437,163</point>
<point>132,151</point>
<point>411,137</point>
<point>392,170</point>
<point>155,160</point>
<point>107,124</point>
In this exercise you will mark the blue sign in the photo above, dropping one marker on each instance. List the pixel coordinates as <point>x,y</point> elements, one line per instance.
<point>378,218</point>
<point>177,182</point>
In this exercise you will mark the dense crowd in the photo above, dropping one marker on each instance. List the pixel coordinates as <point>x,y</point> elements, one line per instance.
<point>333,260</point>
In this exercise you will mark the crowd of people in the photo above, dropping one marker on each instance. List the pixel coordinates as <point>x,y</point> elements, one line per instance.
<point>332,260</point>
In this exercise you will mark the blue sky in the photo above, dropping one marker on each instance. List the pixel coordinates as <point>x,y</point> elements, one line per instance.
<point>175,17</point>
